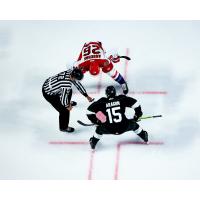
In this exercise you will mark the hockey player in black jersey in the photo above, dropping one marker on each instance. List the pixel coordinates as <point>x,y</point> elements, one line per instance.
<point>109,116</point>
<point>57,90</point>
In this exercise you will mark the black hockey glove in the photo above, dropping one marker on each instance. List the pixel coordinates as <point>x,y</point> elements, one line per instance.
<point>125,88</point>
<point>93,141</point>
<point>135,118</point>
<point>93,119</point>
<point>138,113</point>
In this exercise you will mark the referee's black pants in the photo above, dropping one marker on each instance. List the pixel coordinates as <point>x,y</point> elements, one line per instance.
<point>64,114</point>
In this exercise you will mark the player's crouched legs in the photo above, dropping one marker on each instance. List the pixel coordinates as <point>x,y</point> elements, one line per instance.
<point>140,132</point>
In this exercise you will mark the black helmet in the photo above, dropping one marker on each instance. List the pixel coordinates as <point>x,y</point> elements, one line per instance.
<point>110,91</point>
<point>77,73</point>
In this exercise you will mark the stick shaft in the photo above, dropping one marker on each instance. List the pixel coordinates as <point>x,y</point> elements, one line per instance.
<point>148,117</point>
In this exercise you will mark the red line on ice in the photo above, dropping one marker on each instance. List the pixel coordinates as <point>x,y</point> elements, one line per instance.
<point>117,162</point>
<point>116,173</point>
<point>149,92</point>
<point>90,170</point>
<point>126,64</point>
<point>91,165</point>
<point>67,142</point>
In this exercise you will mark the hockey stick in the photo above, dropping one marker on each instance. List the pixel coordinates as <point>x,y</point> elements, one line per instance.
<point>84,124</point>
<point>147,117</point>
<point>125,57</point>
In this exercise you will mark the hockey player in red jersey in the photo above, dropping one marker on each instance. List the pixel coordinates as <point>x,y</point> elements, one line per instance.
<point>93,59</point>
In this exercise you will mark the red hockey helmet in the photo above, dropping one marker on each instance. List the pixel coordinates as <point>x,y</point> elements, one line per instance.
<point>94,68</point>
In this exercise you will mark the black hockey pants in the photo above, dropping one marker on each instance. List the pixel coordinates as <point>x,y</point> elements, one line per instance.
<point>131,126</point>
<point>64,114</point>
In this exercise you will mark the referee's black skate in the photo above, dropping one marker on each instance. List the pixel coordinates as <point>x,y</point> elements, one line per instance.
<point>68,130</point>
<point>144,136</point>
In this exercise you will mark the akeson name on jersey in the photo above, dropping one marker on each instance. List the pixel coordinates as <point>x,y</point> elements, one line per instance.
<point>111,104</point>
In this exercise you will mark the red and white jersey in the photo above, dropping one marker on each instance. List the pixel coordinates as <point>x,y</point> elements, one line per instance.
<point>91,51</point>
<point>93,59</point>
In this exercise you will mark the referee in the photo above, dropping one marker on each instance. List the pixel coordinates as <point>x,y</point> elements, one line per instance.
<point>57,90</point>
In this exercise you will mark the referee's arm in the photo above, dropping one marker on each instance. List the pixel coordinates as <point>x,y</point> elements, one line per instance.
<point>80,88</point>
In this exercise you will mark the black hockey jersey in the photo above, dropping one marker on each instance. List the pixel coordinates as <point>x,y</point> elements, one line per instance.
<point>114,110</point>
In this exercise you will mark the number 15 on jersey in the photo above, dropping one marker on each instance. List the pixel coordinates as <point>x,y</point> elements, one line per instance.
<point>114,115</point>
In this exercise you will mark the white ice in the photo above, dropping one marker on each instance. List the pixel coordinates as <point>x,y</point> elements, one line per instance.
<point>165,57</point>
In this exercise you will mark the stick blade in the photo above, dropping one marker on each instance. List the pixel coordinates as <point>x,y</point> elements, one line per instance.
<point>157,116</point>
<point>142,143</point>
<point>125,57</point>
<point>84,124</point>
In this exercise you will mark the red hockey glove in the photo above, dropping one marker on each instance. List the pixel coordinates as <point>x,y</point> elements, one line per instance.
<point>114,58</point>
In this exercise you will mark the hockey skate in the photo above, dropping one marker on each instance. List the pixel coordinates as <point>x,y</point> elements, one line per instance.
<point>93,141</point>
<point>73,103</point>
<point>125,88</point>
<point>68,130</point>
<point>144,136</point>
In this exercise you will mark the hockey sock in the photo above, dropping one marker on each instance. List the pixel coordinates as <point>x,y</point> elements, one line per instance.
<point>139,130</point>
<point>114,74</point>
<point>97,136</point>
<point>120,79</point>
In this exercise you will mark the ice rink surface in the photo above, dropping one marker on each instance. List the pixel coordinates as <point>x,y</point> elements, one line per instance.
<point>163,76</point>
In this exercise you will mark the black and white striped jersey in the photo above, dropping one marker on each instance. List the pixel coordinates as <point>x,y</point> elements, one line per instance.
<point>61,85</point>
